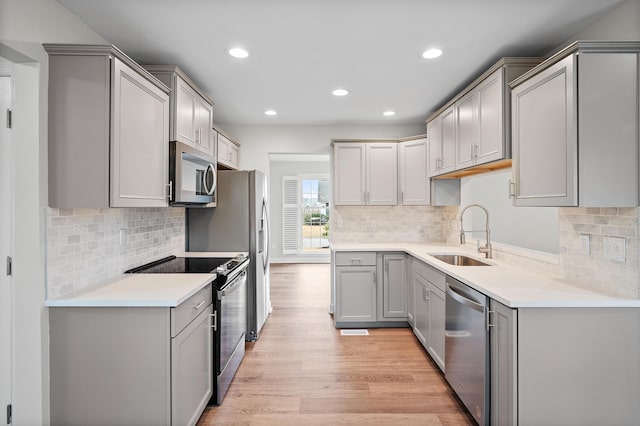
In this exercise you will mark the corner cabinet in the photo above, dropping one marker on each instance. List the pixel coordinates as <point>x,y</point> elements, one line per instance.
<point>473,128</point>
<point>191,110</point>
<point>98,137</point>
<point>414,182</point>
<point>575,128</point>
<point>392,292</point>
<point>365,173</point>
<point>503,336</point>
<point>132,365</point>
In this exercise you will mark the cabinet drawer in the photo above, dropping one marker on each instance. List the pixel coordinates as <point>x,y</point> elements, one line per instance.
<point>355,258</point>
<point>188,310</point>
<point>430,273</point>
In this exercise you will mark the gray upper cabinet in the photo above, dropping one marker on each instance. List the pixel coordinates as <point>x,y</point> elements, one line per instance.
<point>228,151</point>
<point>414,182</point>
<point>441,134</point>
<point>575,128</point>
<point>365,173</point>
<point>473,128</point>
<point>191,110</point>
<point>98,137</point>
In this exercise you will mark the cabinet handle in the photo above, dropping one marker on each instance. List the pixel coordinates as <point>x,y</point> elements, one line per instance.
<point>170,185</point>
<point>214,317</point>
<point>375,277</point>
<point>512,189</point>
<point>489,312</point>
<point>199,305</point>
<point>425,295</point>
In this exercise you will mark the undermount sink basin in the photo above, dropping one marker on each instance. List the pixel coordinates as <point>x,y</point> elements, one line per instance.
<point>459,260</point>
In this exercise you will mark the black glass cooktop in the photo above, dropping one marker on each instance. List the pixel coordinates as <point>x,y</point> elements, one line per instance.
<point>181,265</point>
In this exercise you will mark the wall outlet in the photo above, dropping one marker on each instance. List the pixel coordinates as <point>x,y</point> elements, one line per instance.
<point>615,248</point>
<point>121,238</point>
<point>584,244</point>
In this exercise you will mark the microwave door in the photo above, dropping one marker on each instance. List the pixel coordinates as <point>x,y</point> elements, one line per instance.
<point>193,175</point>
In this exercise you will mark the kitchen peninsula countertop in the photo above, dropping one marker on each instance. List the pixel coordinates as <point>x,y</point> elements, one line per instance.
<point>142,290</point>
<point>512,286</point>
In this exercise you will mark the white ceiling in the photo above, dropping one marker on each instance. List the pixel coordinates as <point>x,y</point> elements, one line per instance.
<point>302,49</point>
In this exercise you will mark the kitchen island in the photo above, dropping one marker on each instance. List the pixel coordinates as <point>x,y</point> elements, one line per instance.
<point>558,354</point>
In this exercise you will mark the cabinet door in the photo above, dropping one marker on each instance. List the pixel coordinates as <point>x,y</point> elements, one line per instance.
<point>490,143</point>
<point>436,321</point>
<point>503,336</point>
<point>421,314</point>
<point>382,174</point>
<point>467,130</point>
<point>356,293</point>
<point>192,370</point>
<point>434,146</point>
<point>223,149</point>
<point>349,174</point>
<point>394,286</point>
<point>204,118</point>
<point>447,158</point>
<point>410,292</point>
<point>139,141</point>
<point>185,125</point>
<point>545,137</point>
<point>414,182</point>
<point>233,155</point>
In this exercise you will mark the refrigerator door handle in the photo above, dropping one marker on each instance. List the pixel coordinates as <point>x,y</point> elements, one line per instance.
<point>265,218</point>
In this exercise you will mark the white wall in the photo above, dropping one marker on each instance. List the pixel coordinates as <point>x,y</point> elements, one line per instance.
<point>259,141</point>
<point>24,25</point>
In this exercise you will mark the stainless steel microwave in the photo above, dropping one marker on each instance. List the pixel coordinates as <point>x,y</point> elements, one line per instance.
<point>192,175</point>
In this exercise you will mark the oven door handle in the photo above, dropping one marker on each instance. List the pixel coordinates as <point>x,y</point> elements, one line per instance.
<point>233,285</point>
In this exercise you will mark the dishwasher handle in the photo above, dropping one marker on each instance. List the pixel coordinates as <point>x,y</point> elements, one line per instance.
<point>463,300</point>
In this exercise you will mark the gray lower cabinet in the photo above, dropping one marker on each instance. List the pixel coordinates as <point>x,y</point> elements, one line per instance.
<point>411,306</point>
<point>392,297</point>
<point>503,337</point>
<point>131,365</point>
<point>429,314</point>
<point>355,294</point>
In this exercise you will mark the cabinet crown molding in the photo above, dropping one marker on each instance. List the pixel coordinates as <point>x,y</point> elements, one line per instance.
<point>175,69</point>
<point>102,50</point>
<point>577,47</point>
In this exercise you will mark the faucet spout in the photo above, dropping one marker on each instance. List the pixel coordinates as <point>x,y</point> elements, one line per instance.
<point>486,249</point>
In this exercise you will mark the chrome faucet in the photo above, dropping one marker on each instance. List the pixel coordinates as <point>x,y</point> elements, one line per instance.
<point>488,252</point>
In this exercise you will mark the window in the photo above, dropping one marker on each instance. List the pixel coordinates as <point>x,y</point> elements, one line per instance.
<point>305,214</point>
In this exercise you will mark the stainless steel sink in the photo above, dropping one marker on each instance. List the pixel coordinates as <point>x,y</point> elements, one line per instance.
<point>459,260</point>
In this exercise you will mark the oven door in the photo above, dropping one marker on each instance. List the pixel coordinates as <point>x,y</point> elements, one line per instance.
<point>232,324</point>
<point>193,176</point>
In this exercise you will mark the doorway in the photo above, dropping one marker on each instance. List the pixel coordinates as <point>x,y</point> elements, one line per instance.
<point>6,297</point>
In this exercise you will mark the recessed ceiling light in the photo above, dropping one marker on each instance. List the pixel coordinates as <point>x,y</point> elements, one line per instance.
<point>431,53</point>
<point>238,52</point>
<point>389,113</point>
<point>340,92</point>
<point>270,112</point>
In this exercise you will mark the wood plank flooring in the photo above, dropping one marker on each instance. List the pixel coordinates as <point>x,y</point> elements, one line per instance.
<point>302,372</point>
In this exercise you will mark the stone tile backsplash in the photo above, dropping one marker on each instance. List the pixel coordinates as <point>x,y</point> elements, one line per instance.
<point>351,224</point>
<point>593,271</point>
<point>439,224</point>
<point>84,246</point>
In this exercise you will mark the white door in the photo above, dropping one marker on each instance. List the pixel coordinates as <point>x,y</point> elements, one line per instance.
<point>5,248</point>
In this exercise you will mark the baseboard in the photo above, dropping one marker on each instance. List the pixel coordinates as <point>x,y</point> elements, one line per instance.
<point>299,259</point>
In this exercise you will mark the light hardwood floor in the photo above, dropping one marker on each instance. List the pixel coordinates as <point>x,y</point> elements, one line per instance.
<point>302,372</point>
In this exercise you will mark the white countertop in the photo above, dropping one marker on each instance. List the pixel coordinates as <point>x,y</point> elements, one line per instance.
<point>509,285</point>
<point>144,290</point>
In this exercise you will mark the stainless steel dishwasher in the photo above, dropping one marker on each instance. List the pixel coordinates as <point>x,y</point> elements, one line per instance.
<point>467,347</point>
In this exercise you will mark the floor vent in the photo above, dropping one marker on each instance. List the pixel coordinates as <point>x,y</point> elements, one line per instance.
<point>359,332</point>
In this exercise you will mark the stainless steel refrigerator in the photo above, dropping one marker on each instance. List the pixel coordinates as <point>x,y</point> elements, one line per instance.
<point>239,222</point>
